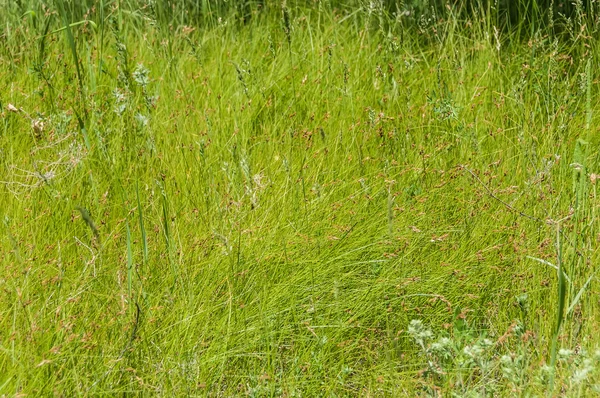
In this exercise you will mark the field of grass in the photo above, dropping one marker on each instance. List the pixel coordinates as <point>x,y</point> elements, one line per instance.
<point>301,199</point>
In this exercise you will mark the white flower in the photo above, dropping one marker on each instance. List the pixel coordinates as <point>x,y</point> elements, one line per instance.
<point>475,351</point>
<point>419,332</point>
<point>141,119</point>
<point>581,374</point>
<point>442,348</point>
<point>140,75</point>
<point>564,354</point>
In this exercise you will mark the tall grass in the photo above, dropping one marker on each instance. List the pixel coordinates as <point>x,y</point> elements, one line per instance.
<point>299,198</point>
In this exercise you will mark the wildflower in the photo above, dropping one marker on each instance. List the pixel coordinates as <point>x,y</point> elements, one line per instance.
<point>37,125</point>
<point>582,374</point>
<point>564,354</point>
<point>507,366</point>
<point>474,351</point>
<point>140,75</point>
<point>46,177</point>
<point>141,119</point>
<point>577,166</point>
<point>419,332</point>
<point>442,348</point>
<point>120,101</point>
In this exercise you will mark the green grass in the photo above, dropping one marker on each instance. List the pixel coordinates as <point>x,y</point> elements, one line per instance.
<point>262,207</point>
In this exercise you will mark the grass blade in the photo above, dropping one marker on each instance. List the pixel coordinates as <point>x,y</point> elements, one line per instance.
<point>129,262</point>
<point>579,294</point>
<point>141,221</point>
<point>73,48</point>
<point>562,292</point>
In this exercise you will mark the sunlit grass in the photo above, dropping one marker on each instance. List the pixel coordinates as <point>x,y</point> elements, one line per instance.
<point>263,206</point>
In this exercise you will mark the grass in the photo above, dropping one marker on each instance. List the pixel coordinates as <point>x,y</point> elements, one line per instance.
<point>302,200</point>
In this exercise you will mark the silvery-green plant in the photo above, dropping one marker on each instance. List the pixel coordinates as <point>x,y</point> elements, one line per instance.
<point>478,366</point>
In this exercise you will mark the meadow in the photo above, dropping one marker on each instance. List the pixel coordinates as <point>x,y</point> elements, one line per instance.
<point>301,198</point>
